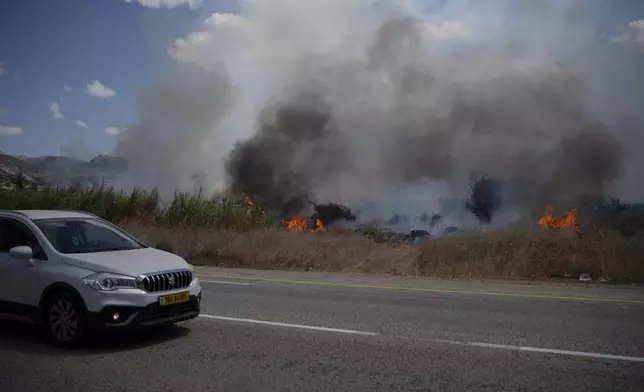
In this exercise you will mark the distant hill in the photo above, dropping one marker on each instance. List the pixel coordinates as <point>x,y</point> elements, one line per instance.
<point>10,166</point>
<point>59,170</point>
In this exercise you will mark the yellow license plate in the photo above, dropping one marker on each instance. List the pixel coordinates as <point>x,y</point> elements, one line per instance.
<point>174,298</point>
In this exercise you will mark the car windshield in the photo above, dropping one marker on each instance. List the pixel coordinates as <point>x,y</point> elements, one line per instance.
<point>86,235</point>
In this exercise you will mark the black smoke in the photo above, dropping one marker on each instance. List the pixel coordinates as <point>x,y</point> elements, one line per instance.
<point>365,102</point>
<point>329,213</point>
<point>300,145</point>
<point>280,165</point>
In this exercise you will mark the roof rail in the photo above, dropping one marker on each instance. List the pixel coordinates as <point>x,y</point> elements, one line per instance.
<point>79,212</point>
<point>15,212</point>
<point>19,212</point>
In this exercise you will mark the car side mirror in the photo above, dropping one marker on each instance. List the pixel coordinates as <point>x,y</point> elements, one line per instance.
<point>21,253</point>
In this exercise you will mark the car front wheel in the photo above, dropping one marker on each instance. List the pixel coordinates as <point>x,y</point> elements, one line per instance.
<point>64,319</point>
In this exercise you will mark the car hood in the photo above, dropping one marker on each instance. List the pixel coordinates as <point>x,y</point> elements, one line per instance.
<point>128,262</point>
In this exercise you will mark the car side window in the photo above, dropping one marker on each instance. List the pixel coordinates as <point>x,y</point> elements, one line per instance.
<point>13,233</point>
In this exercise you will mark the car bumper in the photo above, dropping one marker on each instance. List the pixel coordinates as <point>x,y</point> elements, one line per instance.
<point>142,317</point>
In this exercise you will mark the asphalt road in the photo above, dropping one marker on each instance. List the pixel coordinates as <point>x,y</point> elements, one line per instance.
<point>279,331</point>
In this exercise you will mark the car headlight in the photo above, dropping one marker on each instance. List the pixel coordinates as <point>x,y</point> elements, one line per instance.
<point>104,281</point>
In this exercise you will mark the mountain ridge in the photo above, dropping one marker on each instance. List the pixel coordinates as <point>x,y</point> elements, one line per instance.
<point>59,170</point>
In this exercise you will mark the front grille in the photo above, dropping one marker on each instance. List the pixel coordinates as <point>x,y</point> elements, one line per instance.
<point>162,281</point>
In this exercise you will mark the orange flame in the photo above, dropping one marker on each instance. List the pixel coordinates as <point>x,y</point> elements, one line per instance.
<point>319,225</point>
<point>566,222</point>
<point>252,204</point>
<point>298,223</point>
<point>301,223</point>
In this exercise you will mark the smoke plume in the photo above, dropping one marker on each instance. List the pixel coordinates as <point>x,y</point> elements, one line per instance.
<point>390,108</point>
<point>171,145</point>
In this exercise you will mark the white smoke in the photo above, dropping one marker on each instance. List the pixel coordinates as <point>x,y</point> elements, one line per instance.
<point>421,94</point>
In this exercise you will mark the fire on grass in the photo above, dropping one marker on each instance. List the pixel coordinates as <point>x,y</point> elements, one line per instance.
<point>297,223</point>
<point>301,223</point>
<point>252,204</point>
<point>566,222</point>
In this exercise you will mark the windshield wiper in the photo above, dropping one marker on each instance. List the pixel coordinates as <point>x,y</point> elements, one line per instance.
<point>113,249</point>
<point>95,250</point>
<point>84,250</point>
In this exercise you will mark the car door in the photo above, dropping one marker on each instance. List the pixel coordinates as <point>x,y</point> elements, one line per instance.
<point>19,279</point>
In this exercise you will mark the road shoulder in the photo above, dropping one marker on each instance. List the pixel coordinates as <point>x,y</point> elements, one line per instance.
<point>485,287</point>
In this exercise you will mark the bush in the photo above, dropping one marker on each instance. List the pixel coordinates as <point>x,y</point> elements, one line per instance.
<point>628,219</point>
<point>140,206</point>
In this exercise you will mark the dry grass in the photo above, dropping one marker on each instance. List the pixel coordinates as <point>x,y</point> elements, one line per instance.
<point>535,253</point>
<point>520,254</point>
<point>279,249</point>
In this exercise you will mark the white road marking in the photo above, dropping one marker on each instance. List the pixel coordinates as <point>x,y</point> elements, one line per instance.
<point>543,350</point>
<point>225,282</point>
<point>452,342</point>
<point>300,326</point>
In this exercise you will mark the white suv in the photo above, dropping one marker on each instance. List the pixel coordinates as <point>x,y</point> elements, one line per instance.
<point>74,273</point>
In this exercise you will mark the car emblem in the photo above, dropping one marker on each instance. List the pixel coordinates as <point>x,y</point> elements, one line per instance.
<point>171,281</point>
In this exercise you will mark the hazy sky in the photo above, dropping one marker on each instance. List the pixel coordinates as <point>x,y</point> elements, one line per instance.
<point>71,70</point>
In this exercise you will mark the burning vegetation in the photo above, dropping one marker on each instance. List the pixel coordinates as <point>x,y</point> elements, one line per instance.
<point>487,198</point>
<point>251,203</point>
<point>303,223</point>
<point>566,222</point>
<point>298,223</point>
<point>234,234</point>
<point>323,215</point>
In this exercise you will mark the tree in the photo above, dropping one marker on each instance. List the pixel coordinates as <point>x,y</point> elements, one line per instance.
<point>19,183</point>
<point>485,198</point>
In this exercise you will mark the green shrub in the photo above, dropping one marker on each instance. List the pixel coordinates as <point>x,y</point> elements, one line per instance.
<point>116,206</point>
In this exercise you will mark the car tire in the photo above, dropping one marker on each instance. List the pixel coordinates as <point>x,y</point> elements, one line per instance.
<point>64,321</point>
